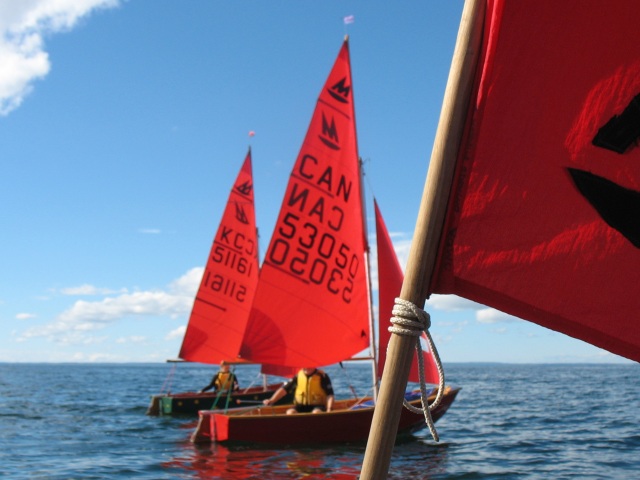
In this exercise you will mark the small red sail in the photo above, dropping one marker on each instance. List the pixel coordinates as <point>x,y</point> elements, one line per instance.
<point>222,304</point>
<point>311,306</point>
<point>390,279</point>
<point>544,222</point>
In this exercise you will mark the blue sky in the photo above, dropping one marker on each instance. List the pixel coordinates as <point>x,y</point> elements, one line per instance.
<point>124,123</point>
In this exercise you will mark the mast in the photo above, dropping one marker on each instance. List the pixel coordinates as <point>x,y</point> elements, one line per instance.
<point>372,333</point>
<point>367,253</point>
<point>264,376</point>
<point>422,256</point>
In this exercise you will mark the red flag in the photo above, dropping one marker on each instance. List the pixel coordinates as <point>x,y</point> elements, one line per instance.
<point>544,219</point>
<point>311,306</point>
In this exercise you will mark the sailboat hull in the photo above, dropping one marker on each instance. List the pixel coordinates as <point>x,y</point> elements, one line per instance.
<point>349,422</point>
<point>189,403</point>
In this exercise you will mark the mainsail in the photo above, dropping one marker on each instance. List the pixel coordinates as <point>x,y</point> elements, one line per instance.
<point>544,220</point>
<point>312,303</point>
<point>221,307</point>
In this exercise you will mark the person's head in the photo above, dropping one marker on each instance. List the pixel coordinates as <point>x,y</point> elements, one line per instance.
<point>309,370</point>
<point>224,366</point>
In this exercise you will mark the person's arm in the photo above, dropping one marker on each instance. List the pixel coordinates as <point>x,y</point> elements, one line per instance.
<point>280,392</point>
<point>277,395</point>
<point>236,385</point>
<point>329,403</point>
<point>328,388</point>
<point>211,385</point>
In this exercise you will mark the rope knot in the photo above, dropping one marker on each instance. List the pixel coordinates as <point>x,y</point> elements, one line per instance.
<point>410,320</point>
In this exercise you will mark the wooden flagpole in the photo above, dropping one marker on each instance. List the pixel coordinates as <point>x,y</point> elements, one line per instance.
<point>422,256</point>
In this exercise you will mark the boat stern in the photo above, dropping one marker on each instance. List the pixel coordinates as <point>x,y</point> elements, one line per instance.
<point>205,428</point>
<point>154,405</point>
<point>212,427</point>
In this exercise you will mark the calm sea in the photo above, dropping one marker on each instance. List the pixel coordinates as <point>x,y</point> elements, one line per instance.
<point>70,421</point>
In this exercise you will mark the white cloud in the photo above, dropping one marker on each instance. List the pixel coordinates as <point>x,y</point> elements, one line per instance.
<point>23,25</point>
<point>74,325</point>
<point>72,337</point>
<point>96,357</point>
<point>150,231</point>
<point>25,316</point>
<point>491,315</point>
<point>188,283</point>
<point>87,289</point>
<point>137,339</point>
<point>113,308</point>
<point>177,333</point>
<point>451,303</point>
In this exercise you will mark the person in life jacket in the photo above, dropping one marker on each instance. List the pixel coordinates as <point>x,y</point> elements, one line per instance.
<point>223,380</point>
<point>312,389</point>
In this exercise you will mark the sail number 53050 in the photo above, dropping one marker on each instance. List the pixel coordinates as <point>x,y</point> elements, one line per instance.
<point>314,256</point>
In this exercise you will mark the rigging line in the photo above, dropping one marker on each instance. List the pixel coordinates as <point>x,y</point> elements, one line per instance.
<point>410,320</point>
<point>351,387</point>
<point>253,382</point>
<point>230,382</point>
<point>222,393</point>
<point>168,380</point>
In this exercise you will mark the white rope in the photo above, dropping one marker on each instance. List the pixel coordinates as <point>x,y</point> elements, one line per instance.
<point>410,320</point>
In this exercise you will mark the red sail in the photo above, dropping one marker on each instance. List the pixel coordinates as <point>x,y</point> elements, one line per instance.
<point>222,304</point>
<point>390,279</point>
<point>311,306</point>
<point>544,222</point>
<point>279,370</point>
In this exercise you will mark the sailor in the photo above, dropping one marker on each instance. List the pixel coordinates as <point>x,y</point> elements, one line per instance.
<point>312,389</point>
<point>223,380</point>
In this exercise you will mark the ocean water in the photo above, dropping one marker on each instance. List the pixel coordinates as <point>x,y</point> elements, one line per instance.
<point>87,421</point>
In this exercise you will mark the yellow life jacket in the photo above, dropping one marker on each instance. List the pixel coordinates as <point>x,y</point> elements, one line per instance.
<point>224,381</point>
<point>309,390</point>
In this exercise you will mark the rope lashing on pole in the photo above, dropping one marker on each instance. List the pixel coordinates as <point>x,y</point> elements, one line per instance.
<point>410,320</point>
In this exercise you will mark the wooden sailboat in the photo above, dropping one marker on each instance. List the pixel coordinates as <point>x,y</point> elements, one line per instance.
<point>350,420</point>
<point>222,304</point>
<point>312,304</point>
